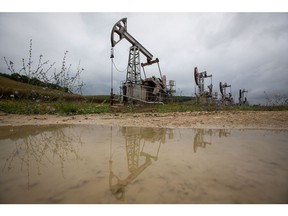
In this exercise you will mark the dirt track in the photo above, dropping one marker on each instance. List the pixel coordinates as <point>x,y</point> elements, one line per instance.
<point>256,120</point>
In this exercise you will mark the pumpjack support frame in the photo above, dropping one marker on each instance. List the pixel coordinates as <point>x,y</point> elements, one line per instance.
<point>148,90</point>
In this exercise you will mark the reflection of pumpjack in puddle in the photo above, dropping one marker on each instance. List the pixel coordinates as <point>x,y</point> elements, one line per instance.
<point>199,140</point>
<point>133,137</point>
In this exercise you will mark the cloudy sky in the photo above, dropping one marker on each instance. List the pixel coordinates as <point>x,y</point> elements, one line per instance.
<point>246,50</point>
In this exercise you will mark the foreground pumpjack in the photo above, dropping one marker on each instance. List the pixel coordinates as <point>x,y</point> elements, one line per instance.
<point>134,88</point>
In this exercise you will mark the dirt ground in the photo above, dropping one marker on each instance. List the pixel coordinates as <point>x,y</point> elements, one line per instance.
<point>214,120</point>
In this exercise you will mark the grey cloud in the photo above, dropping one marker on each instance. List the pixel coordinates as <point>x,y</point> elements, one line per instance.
<point>246,50</point>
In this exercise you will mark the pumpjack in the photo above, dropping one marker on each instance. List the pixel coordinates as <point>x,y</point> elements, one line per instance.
<point>242,98</point>
<point>135,88</point>
<point>202,95</point>
<point>226,98</point>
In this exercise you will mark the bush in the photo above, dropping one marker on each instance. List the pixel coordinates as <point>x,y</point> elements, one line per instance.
<point>40,75</point>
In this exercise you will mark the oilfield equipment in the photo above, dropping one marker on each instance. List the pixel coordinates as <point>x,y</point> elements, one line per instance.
<point>135,88</point>
<point>226,98</point>
<point>203,95</point>
<point>242,98</point>
<point>207,95</point>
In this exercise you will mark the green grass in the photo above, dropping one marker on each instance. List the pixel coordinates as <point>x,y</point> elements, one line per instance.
<point>194,107</point>
<point>18,90</point>
<point>83,108</point>
<point>57,107</point>
<point>21,98</point>
<point>74,107</point>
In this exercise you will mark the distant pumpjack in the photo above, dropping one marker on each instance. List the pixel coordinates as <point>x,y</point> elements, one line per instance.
<point>201,94</point>
<point>242,98</point>
<point>226,98</point>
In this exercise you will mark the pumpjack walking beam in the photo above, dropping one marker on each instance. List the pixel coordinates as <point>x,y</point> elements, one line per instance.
<point>120,30</point>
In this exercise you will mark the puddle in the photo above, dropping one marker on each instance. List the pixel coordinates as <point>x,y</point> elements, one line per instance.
<point>100,164</point>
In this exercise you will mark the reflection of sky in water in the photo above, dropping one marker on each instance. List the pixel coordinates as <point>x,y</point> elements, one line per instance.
<point>97,164</point>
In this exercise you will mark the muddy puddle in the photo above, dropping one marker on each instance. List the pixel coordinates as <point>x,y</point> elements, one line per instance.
<point>100,164</point>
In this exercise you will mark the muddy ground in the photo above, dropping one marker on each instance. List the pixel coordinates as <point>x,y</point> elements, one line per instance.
<point>241,120</point>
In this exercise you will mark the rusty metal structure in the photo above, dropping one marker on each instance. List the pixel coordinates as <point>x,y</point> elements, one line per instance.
<point>242,98</point>
<point>226,98</point>
<point>203,95</point>
<point>136,87</point>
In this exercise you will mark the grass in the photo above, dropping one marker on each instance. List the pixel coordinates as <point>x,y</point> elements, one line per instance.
<point>57,107</point>
<point>194,107</point>
<point>86,108</point>
<point>74,107</point>
<point>22,98</point>
<point>18,90</point>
